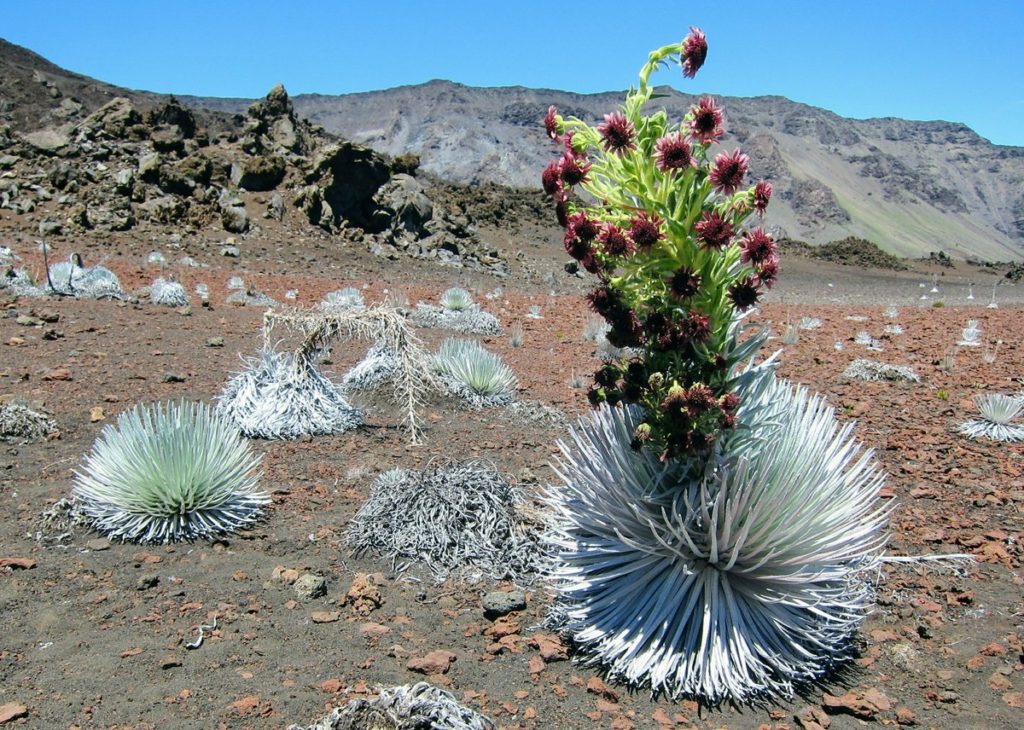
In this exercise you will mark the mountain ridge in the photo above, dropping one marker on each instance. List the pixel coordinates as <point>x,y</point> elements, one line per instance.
<point>913,187</point>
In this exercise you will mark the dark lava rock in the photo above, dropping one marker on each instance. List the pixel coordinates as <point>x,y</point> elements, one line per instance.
<point>498,603</point>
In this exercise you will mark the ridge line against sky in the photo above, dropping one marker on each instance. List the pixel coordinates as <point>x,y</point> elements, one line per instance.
<point>914,59</point>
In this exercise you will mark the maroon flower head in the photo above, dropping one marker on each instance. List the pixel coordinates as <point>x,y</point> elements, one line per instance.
<point>645,230</point>
<point>684,283</point>
<point>575,246</point>
<point>698,327</point>
<point>551,178</point>
<point>768,272</point>
<point>617,133</point>
<point>626,330</point>
<point>728,172</point>
<point>706,120</point>
<point>757,247</point>
<point>591,263</point>
<point>561,211</point>
<point>695,50</point>
<point>699,399</point>
<point>744,293</point>
<point>615,241</point>
<point>713,231</point>
<point>551,123</point>
<point>604,301</point>
<point>729,403</point>
<point>584,227</point>
<point>672,152</point>
<point>574,169</point>
<point>762,194</point>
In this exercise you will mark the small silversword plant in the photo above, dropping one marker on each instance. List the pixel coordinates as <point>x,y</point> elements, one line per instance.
<point>997,411</point>
<point>169,472</point>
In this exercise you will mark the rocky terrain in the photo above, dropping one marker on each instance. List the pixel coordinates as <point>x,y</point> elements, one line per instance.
<point>911,187</point>
<point>280,623</point>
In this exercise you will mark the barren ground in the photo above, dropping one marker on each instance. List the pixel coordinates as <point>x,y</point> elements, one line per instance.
<point>93,634</point>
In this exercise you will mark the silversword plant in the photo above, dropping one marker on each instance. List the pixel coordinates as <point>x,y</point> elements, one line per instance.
<point>997,412</point>
<point>169,472</point>
<point>971,335</point>
<point>716,530</point>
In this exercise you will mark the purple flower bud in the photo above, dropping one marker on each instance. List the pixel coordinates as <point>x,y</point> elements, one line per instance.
<point>757,247</point>
<point>673,152</point>
<point>713,231</point>
<point>744,293</point>
<point>762,194</point>
<point>695,50</point>
<point>684,283</point>
<point>551,123</point>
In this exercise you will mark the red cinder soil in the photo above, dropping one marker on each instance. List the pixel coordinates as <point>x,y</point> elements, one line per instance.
<point>93,634</point>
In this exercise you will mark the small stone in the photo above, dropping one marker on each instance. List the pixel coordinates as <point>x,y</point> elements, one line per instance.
<point>550,647</point>
<point>332,686</point>
<point>146,582</point>
<point>215,342</point>
<point>324,617</point>
<point>285,575</point>
<point>169,662</point>
<point>373,630</point>
<point>231,252</point>
<point>597,686</point>
<point>58,374</point>
<point>98,544</point>
<point>96,414</point>
<point>906,716</point>
<point>170,377</point>
<point>18,563</point>
<point>310,586</point>
<point>12,711</point>
<point>436,662</point>
<point>26,321</point>
<point>499,603</point>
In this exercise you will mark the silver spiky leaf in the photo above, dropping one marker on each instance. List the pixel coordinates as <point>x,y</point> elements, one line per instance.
<point>276,397</point>
<point>997,410</point>
<point>169,472</point>
<point>468,321</point>
<point>378,366</point>
<point>729,580</point>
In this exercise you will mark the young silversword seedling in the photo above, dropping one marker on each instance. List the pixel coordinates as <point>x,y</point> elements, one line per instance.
<point>472,373</point>
<point>456,300</point>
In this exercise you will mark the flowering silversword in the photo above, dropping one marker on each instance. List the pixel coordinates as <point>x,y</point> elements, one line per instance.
<point>717,530</point>
<point>660,220</point>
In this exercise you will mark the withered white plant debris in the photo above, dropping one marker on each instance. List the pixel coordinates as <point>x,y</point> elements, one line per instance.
<point>453,518</point>
<point>871,370</point>
<point>403,708</point>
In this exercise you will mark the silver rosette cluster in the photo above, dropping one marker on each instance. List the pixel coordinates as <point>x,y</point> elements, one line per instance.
<point>727,579</point>
<point>169,472</point>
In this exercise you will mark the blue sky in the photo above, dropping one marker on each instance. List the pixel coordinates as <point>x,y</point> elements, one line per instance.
<point>917,59</point>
